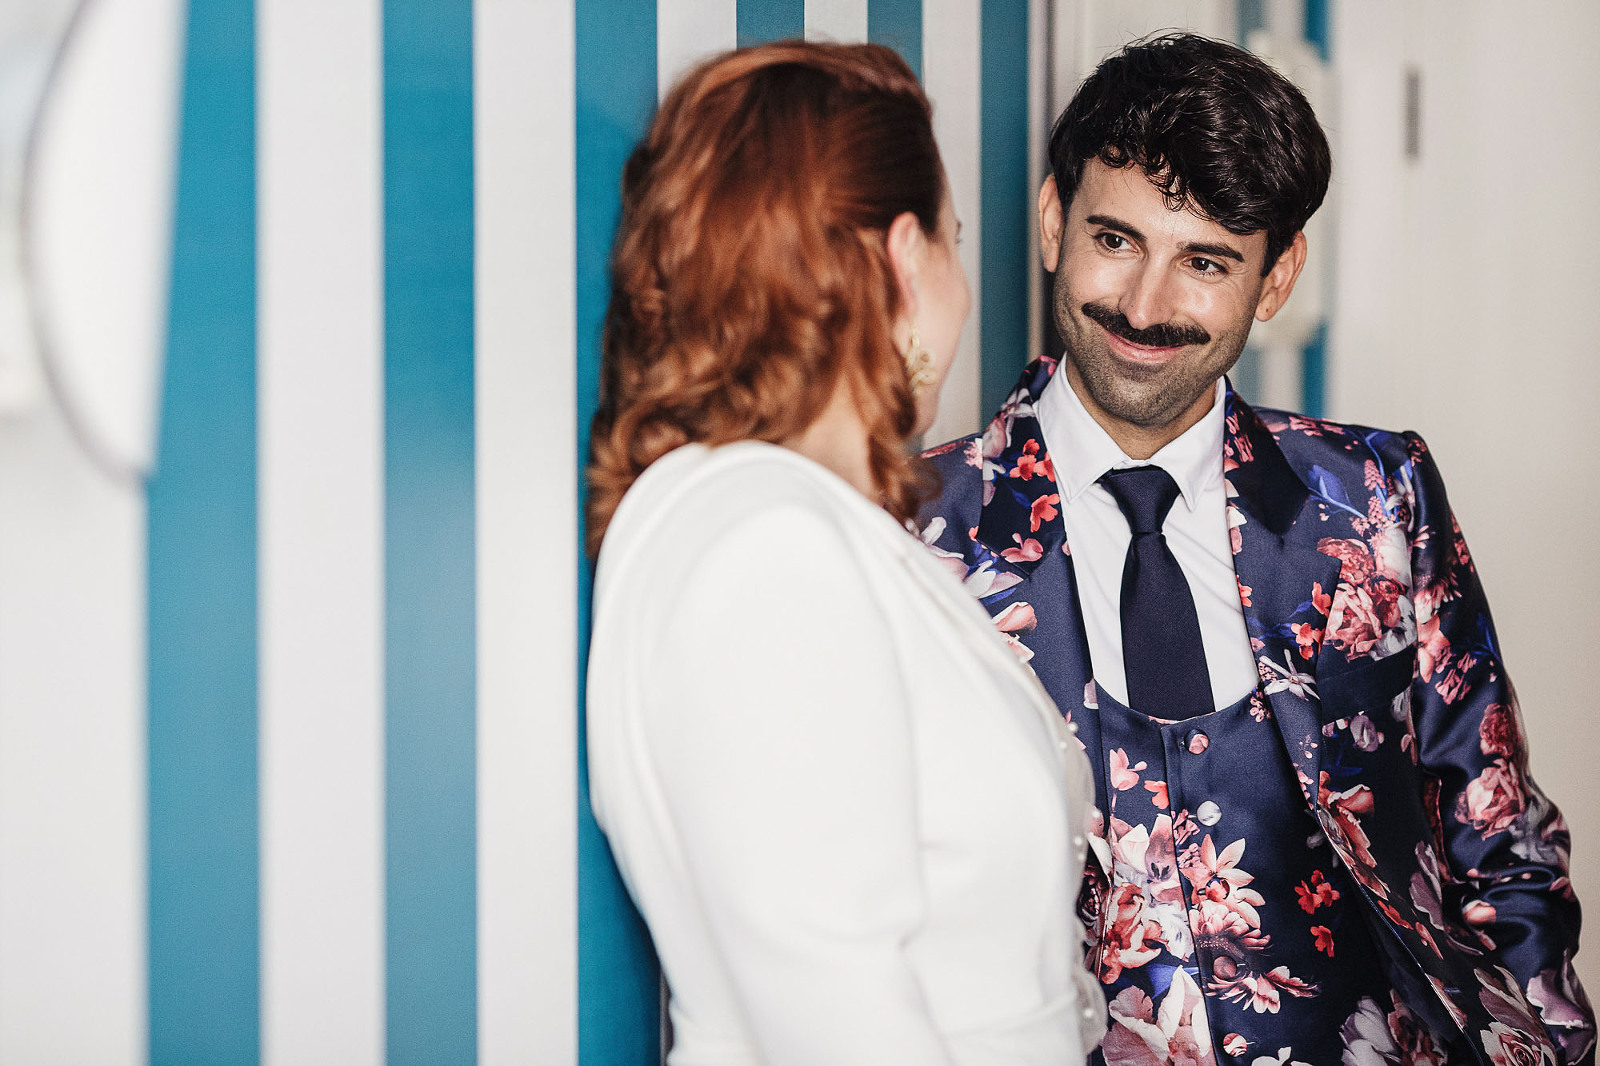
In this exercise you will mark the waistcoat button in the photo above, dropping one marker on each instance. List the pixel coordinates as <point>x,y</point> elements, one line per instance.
<point>1208,813</point>
<point>1198,743</point>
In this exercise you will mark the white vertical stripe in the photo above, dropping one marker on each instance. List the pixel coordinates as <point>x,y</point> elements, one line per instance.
<point>952,72</point>
<point>688,31</point>
<point>836,20</point>
<point>1039,122</point>
<point>527,532</point>
<point>72,753</point>
<point>320,378</point>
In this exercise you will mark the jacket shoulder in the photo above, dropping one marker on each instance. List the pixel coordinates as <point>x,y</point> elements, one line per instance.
<point>1309,443</point>
<point>958,467</point>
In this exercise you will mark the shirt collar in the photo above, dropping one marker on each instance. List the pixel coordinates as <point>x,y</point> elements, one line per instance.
<point>1081,451</point>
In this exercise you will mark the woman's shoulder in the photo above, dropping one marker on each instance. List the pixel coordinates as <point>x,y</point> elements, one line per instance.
<point>739,530</point>
<point>702,496</point>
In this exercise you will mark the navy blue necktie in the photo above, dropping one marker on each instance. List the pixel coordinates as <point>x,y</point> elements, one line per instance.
<point>1161,649</point>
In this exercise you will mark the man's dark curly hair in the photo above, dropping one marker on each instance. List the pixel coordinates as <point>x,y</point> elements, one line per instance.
<point>1213,127</point>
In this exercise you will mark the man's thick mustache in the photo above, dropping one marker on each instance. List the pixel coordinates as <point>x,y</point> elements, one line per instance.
<point>1160,335</point>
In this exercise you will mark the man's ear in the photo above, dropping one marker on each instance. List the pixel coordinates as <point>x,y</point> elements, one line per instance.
<point>1281,278</point>
<point>1051,219</point>
<point>908,247</point>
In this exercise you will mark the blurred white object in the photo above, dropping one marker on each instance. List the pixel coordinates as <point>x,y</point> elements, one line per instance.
<point>31,35</point>
<point>95,223</point>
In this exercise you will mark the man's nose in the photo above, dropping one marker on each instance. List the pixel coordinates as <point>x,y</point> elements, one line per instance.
<point>1148,301</point>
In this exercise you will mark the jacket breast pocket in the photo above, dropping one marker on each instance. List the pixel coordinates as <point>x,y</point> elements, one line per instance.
<point>1369,685</point>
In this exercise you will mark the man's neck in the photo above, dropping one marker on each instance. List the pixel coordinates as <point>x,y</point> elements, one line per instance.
<point>1138,442</point>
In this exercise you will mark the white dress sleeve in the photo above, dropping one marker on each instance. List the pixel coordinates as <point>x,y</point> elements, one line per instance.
<point>782,735</point>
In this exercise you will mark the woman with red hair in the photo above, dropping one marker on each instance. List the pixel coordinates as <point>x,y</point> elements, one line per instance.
<point>850,816</point>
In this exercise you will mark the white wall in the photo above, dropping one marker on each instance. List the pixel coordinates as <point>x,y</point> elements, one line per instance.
<point>952,72</point>
<point>1087,31</point>
<point>1466,309</point>
<point>72,792</point>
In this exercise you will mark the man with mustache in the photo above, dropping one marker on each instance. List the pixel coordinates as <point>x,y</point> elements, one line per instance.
<point>1318,839</point>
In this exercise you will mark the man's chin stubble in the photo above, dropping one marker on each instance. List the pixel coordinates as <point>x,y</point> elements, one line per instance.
<point>1151,414</point>
<point>1146,403</point>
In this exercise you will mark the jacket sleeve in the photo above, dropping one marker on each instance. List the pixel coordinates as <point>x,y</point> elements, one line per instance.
<point>783,745</point>
<point>1505,842</point>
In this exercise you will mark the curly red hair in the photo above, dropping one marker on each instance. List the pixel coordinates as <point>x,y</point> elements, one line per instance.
<point>751,274</point>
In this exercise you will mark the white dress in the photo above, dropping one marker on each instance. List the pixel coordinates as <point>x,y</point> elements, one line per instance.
<point>852,819</point>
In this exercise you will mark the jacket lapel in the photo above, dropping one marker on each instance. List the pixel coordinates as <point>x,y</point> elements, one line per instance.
<point>1021,502</point>
<point>1284,581</point>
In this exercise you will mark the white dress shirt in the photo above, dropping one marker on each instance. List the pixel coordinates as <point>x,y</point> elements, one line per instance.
<point>854,822</point>
<point>1196,530</point>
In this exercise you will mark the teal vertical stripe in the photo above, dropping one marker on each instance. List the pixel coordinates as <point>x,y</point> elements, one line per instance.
<point>770,20</point>
<point>1317,28</point>
<point>618,981</point>
<point>1252,17</point>
<point>1005,198</point>
<point>1314,357</point>
<point>1313,370</point>
<point>897,24</point>
<point>430,670</point>
<point>204,961</point>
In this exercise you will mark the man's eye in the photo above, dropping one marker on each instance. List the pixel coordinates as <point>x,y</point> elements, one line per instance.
<point>1208,266</point>
<point>1113,242</point>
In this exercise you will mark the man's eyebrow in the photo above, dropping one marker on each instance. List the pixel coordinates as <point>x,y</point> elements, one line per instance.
<point>1216,251</point>
<point>1115,223</point>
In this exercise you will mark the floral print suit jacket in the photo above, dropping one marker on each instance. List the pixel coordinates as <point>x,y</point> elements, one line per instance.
<point>1383,673</point>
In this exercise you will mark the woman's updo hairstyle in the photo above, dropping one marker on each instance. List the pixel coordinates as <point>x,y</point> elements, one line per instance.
<point>751,273</point>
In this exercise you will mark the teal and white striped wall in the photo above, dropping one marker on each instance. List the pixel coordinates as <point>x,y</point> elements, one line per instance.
<point>290,763</point>
<point>290,767</point>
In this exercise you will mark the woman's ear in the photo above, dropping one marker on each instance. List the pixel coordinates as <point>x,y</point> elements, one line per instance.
<point>908,250</point>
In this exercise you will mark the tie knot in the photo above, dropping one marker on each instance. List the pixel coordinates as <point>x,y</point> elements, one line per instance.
<point>1145,494</point>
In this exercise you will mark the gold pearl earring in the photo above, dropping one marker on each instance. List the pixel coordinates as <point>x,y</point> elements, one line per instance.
<point>919,364</point>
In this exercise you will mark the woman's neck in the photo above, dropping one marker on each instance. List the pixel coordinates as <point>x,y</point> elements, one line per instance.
<point>838,440</point>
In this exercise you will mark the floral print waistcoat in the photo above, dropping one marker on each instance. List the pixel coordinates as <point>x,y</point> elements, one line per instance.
<point>1384,705</point>
<point>1207,956</point>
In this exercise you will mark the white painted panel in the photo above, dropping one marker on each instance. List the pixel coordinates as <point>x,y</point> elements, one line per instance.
<point>72,754</point>
<point>836,20</point>
<point>320,431</point>
<point>688,31</point>
<point>1373,183</point>
<point>1103,26</point>
<point>1068,22</point>
<point>1464,308</point>
<point>527,533</point>
<point>951,72</point>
